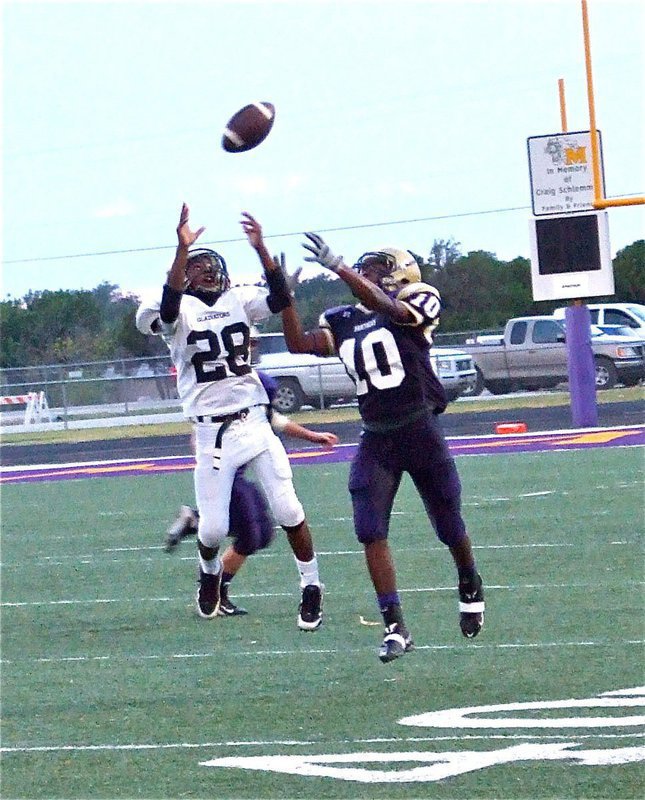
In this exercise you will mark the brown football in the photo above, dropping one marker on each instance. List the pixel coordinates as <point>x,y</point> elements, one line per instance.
<point>249,127</point>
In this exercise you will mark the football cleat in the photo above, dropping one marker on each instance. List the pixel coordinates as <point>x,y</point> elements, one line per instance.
<point>185,525</point>
<point>471,607</point>
<point>310,610</point>
<point>227,607</point>
<point>208,594</point>
<point>396,642</point>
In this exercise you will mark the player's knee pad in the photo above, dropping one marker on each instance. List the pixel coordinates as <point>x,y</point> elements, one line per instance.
<point>209,533</point>
<point>440,489</point>
<point>450,527</point>
<point>365,536</point>
<point>287,509</point>
<point>371,524</point>
<point>446,505</point>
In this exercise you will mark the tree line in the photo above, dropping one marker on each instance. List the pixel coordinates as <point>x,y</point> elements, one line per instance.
<point>478,291</point>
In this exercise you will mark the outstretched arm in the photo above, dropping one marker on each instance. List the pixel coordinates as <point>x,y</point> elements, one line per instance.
<point>324,438</point>
<point>185,238</point>
<point>176,280</point>
<point>318,341</point>
<point>370,295</point>
<point>279,294</point>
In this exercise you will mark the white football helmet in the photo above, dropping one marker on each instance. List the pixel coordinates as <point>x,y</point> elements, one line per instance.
<point>399,267</point>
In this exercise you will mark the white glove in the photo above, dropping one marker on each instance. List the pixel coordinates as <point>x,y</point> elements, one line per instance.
<point>321,253</point>
<point>292,280</point>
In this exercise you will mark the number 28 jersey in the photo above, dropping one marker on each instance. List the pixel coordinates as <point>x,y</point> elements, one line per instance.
<point>390,362</point>
<point>209,346</point>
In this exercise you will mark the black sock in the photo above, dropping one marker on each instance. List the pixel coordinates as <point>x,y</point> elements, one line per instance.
<point>392,614</point>
<point>467,575</point>
<point>227,577</point>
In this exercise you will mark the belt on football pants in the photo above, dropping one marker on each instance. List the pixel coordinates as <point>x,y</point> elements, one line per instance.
<point>242,414</point>
<point>224,422</point>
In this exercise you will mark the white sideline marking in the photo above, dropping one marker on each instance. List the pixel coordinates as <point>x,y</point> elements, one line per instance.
<point>308,743</point>
<point>252,595</point>
<point>315,652</point>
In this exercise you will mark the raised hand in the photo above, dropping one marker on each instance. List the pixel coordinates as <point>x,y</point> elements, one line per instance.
<point>252,229</point>
<point>185,236</point>
<point>321,253</point>
<point>292,280</point>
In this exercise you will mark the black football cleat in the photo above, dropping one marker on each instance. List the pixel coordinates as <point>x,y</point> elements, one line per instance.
<point>396,643</point>
<point>227,607</point>
<point>208,594</point>
<point>471,607</point>
<point>310,614</point>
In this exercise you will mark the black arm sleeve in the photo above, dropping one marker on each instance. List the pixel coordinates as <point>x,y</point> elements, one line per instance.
<point>279,297</point>
<point>170,301</point>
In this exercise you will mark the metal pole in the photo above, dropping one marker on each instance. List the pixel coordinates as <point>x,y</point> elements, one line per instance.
<point>598,189</point>
<point>563,106</point>
<point>64,393</point>
<point>595,153</point>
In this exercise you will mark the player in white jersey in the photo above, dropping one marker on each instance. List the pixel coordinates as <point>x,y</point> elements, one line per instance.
<point>206,325</point>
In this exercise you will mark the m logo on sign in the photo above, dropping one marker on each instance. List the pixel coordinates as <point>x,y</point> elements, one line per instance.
<point>575,155</point>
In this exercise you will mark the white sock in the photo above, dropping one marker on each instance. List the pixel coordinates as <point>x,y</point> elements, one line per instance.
<point>308,572</point>
<point>210,567</point>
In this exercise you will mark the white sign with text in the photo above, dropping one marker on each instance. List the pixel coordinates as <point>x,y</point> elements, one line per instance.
<point>561,172</point>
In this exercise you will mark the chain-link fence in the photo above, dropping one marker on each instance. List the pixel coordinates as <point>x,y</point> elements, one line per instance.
<point>115,387</point>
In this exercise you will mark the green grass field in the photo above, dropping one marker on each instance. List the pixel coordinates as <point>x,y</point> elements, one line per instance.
<point>113,688</point>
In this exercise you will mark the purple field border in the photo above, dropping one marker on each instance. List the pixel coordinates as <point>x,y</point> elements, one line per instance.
<point>633,436</point>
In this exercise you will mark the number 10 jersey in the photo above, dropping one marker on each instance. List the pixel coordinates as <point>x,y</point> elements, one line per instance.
<point>388,361</point>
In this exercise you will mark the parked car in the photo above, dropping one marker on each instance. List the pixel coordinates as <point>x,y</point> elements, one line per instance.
<point>630,315</point>
<point>533,355</point>
<point>316,380</point>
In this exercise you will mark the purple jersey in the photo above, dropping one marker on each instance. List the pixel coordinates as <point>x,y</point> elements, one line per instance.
<point>389,362</point>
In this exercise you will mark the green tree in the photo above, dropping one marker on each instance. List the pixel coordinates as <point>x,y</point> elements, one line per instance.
<point>629,273</point>
<point>478,291</point>
<point>313,296</point>
<point>443,253</point>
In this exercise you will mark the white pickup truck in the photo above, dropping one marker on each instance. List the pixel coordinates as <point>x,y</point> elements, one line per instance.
<point>318,381</point>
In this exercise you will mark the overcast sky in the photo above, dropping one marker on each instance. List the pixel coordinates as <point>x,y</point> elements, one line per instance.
<point>397,122</point>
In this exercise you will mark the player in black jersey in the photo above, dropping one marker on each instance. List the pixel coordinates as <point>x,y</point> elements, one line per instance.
<point>384,342</point>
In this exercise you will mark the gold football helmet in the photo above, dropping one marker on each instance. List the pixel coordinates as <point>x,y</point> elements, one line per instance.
<point>395,268</point>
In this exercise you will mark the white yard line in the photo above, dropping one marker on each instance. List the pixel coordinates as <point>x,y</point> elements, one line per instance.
<point>95,558</point>
<point>92,748</point>
<point>251,595</point>
<point>313,652</point>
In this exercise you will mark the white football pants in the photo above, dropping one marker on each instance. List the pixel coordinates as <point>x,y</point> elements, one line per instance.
<point>245,441</point>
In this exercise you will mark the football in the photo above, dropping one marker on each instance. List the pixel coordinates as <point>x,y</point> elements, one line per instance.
<point>248,127</point>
